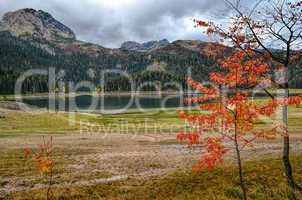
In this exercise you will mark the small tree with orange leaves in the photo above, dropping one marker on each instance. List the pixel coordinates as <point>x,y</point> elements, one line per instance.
<point>261,27</point>
<point>231,116</point>
<point>44,161</point>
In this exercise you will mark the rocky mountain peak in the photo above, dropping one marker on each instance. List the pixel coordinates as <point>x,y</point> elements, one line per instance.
<point>37,24</point>
<point>143,47</point>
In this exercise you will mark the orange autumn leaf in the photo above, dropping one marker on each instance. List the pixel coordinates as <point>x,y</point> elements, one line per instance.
<point>44,164</point>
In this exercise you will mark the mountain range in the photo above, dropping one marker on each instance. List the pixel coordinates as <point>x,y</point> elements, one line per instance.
<point>41,27</point>
<point>31,39</point>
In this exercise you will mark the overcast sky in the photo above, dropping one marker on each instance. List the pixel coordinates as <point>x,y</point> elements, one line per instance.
<point>111,22</point>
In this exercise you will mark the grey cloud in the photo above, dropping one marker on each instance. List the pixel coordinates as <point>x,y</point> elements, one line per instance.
<point>139,20</point>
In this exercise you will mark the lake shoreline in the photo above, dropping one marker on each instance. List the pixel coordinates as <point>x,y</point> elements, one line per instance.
<point>117,94</point>
<point>11,97</point>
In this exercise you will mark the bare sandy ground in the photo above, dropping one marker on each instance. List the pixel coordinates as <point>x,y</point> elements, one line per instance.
<point>94,159</point>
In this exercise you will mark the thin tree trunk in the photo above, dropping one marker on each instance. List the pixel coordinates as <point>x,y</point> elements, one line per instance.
<point>242,183</point>
<point>48,194</point>
<point>286,146</point>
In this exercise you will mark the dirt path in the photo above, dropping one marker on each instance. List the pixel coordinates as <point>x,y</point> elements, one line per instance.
<point>92,159</point>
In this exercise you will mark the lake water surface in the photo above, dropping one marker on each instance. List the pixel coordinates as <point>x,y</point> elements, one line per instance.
<point>98,104</point>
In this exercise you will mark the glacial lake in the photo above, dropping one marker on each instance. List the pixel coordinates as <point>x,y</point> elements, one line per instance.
<point>112,103</point>
<point>84,103</point>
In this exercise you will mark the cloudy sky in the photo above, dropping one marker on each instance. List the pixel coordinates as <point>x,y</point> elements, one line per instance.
<point>111,22</point>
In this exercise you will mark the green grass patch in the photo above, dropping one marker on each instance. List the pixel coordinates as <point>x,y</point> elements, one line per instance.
<point>22,123</point>
<point>17,123</point>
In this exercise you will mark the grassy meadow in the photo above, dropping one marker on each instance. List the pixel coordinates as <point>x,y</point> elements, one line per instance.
<point>83,164</point>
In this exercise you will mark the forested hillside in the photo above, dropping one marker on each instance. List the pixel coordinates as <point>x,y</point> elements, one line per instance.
<point>169,64</point>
